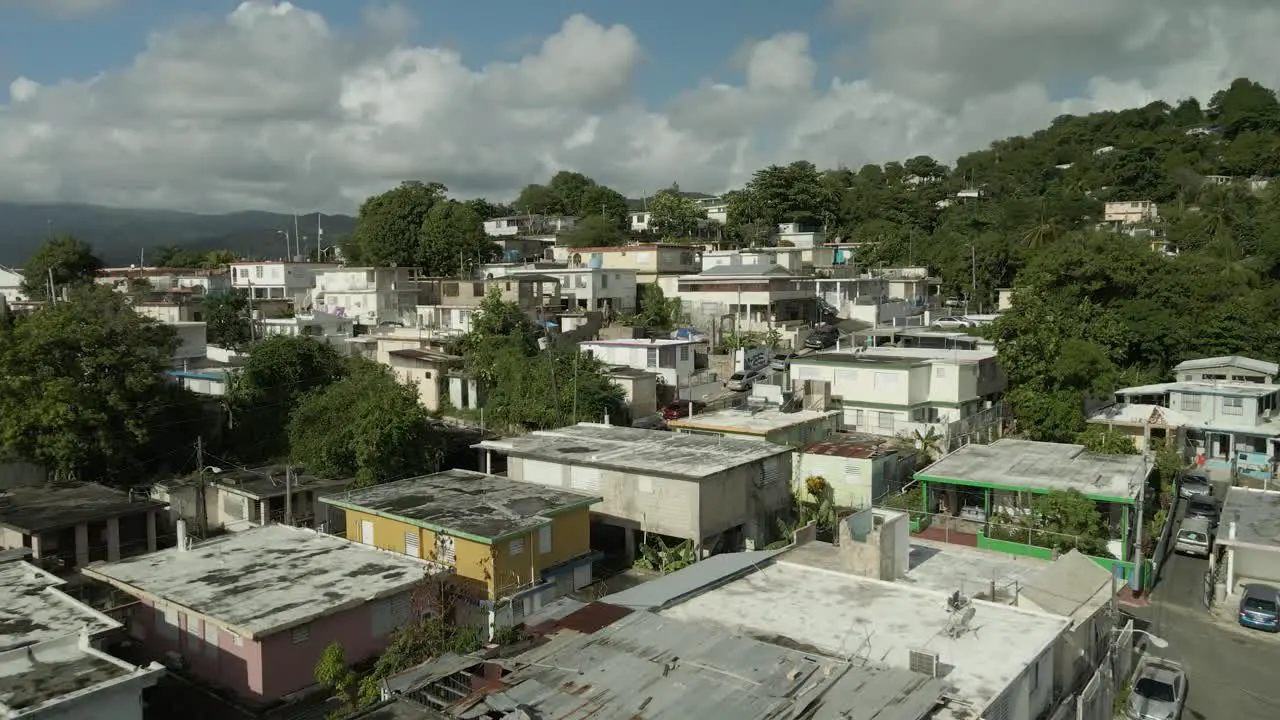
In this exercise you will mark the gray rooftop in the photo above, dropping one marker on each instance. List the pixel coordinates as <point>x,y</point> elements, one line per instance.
<point>33,610</point>
<point>1256,514</point>
<point>462,502</point>
<point>749,270</point>
<point>38,674</point>
<point>1258,366</point>
<point>1201,387</point>
<point>267,579</point>
<point>685,582</point>
<point>880,623</point>
<point>655,452</point>
<point>750,422</point>
<point>650,666</point>
<point>33,509</point>
<point>1072,586</point>
<point>261,482</point>
<point>1041,466</point>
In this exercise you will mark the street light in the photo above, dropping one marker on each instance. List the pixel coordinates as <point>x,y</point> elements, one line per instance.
<point>1155,640</point>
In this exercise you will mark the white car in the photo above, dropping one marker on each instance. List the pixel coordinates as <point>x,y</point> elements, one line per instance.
<point>952,323</point>
<point>742,380</point>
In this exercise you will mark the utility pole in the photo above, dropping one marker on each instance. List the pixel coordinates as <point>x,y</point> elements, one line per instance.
<point>319,236</point>
<point>1135,577</point>
<point>973,270</point>
<point>288,495</point>
<point>576,353</point>
<point>52,298</point>
<point>201,521</point>
<point>297,238</point>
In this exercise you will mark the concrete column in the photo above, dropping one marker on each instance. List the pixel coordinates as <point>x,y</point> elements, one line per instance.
<point>82,545</point>
<point>151,531</point>
<point>113,539</point>
<point>629,543</point>
<point>36,546</point>
<point>264,512</point>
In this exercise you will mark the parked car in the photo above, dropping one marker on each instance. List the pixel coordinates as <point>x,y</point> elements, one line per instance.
<point>1203,506</point>
<point>1195,537</point>
<point>1260,607</point>
<point>1194,483</point>
<point>953,323</point>
<point>822,338</point>
<point>780,363</point>
<point>1159,690</point>
<point>742,380</point>
<point>681,409</point>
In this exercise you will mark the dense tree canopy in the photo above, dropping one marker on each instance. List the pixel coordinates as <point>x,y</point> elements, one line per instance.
<point>68,261</point>
<point>388,225</point>
<point>531,388</point>
<point>178,257</point>
<point>280,370</point>
<point>452,241</point>
<point>367,426</point>
<point>83,391</point>
<point>575,194</point>
<point>674,214</point>
<point>226,316</point>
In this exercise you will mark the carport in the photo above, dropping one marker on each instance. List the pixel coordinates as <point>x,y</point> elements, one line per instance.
<point>1249,535</point>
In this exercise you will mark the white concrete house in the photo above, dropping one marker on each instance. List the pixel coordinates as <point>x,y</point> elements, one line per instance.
<point>275,280</point>
<point>515,225</point>
<point>670,359</point>
<point>1133,212</point>
<point>587,287</point>
<point>53,665</point>
<point>11,285</point>
<point>319,325</point>
<point>1250,537</point>
<point>795,235</point>
<point>1232,368</point>
<point>367,295</point>
<point>757,298</point>
<point>891,391</point>
<point>716,492</point>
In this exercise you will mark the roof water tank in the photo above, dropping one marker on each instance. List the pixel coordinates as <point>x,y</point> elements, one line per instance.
<point>595,262</point>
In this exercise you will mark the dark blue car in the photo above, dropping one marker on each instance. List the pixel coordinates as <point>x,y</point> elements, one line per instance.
<point>1260,608</point>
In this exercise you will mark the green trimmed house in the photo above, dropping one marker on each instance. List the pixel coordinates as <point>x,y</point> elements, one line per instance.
<point>985,484</point>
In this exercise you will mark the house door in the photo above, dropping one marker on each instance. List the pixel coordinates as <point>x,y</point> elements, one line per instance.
<point>366,532</point>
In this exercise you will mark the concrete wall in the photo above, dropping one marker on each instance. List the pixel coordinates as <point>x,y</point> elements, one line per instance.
<point>662,505</point>
<point>875,544</point>
<point>21,474</point>
<point>259,671</point>
<point>1261,565</point>
<point>852,481</point>
<point>119,701</point>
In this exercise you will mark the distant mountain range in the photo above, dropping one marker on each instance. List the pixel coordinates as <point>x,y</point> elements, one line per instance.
<point>122,236</point>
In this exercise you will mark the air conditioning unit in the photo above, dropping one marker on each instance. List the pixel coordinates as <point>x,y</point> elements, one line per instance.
<point>923,662</point>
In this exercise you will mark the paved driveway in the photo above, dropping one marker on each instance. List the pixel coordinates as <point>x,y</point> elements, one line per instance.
<point>1232,670</point>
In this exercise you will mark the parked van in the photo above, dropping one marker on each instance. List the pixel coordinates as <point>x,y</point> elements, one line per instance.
<point>1195,537</point>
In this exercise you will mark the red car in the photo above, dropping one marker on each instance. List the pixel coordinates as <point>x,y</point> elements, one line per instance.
<point>680,409</point>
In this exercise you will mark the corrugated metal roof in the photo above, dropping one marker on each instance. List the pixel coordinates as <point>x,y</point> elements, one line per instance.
<point>663,591</point>
<point>651,667</point>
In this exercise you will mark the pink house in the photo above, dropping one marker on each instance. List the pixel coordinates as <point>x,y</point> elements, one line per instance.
<point>253,611</point>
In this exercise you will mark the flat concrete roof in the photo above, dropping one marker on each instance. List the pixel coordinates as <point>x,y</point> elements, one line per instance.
<point>33,609</point>
<point>37,508</point>
<point>879,623</point>
<point>656,667</point>
<point>942,567</point>
<point>641,342</point>
<point>45,674</point>
<point>1040,467</point>
<point>480,507</point>
<point>258,483</point>
<point>1256,514</point>
<point>938,354</point>
<point>1229,389</point>
<point>634,450</point>
<point>267,579</point>
<point>745,421</point>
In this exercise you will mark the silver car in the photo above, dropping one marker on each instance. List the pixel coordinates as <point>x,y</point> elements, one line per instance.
<point>1195,537</point>
<point>1159,690</point>
<point>1193,483</point>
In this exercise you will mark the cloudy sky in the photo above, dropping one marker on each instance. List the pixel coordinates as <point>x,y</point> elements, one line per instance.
<point>216,105</point>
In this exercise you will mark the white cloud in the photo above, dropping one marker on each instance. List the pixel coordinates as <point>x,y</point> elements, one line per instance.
<point>271,107</point>
<point>64,9</point>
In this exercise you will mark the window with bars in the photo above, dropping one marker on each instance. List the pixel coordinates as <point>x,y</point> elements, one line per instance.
<point>412,543</point>
<point>884,420</point>
<point>1232,406</point>
<point>544,539</point>
<point>515,547</point>
<point>300,634</point>
<point>1191,403</point>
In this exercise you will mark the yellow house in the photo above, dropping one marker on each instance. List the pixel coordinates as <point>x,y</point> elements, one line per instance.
<point>514,546</point>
